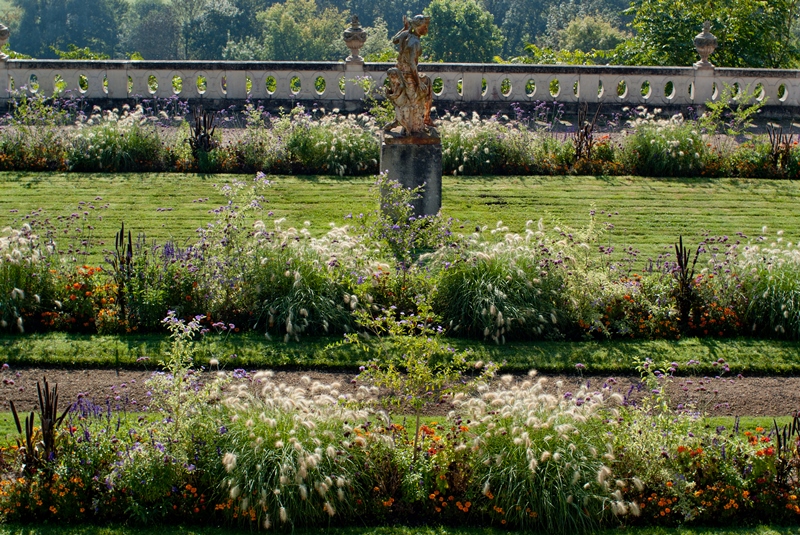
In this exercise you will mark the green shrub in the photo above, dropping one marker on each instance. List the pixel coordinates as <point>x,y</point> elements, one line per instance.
<point>499,295</point>
<point>33,148</point>
<point>292,459</point>
<point>110,141</point>
<point>663,147</point>
<point>542,459</point>
<point>334,144</point>
<point>771,280</point>
<point>257,147</point>
<point>475,146</point>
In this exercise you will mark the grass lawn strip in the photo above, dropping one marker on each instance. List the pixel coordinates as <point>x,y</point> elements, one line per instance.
<point>752,357</point>
<point>647,214</point>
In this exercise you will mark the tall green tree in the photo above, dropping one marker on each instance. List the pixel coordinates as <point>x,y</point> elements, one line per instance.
<point>561,14</point>
<point>590,33</point>
<point>146,19</point>
<point>58,23</point>
<point>522,23</point>
<point>461,31</point>
<point>203,26</point>
<point>369,11</point>
<point>750,33</point>
<point>296,30</point>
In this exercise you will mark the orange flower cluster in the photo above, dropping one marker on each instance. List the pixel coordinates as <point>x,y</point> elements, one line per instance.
<point>665,505</point>
<point>793,504</point>
<point>464,507</point>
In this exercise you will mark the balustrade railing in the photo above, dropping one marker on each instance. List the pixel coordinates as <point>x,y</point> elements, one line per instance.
<point>335,84</point>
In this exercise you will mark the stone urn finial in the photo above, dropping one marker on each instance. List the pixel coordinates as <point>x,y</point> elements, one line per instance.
<point>705,43</point>
<point>354,38</point>
<point>4,35</point>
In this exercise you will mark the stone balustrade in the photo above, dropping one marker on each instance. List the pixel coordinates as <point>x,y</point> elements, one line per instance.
<point>332,84</point>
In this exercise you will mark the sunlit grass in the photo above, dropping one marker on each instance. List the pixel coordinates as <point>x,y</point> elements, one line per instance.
<point>748,356</point>
<point>647,213</point>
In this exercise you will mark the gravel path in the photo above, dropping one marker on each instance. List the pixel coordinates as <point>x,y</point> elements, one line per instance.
<point>743,396</point>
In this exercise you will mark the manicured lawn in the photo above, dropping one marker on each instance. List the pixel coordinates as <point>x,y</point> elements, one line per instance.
<point>648,214</point>
<point>752,357</point>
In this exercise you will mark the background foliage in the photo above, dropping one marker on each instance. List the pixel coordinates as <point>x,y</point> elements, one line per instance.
<point>648,32</point>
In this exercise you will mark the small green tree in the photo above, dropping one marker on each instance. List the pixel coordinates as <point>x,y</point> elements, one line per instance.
<point>590,33</point>
<point>733,112</point>
<point>411,362</point>
<point>378,46</point>
<point>461,31</point>
<point>296,30</point>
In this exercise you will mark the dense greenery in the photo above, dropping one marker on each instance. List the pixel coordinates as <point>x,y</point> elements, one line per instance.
<point>58,23</point>
<point>466,23</point>
<point>752,33</point>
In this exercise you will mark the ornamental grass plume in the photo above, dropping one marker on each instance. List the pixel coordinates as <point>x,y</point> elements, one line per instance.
<point>293,461</point>
<point>543,457</point>
<point>770,274</point>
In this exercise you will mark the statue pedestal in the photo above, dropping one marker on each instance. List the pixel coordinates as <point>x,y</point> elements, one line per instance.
<point>415,161</point>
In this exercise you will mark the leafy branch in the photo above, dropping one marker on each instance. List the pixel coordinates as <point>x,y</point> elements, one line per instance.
<point>410,361</point>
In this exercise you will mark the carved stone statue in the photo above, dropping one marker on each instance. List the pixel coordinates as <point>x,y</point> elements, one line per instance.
<point>410,92</point>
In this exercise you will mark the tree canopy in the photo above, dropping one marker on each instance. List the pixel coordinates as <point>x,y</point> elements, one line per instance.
<point>294,31</point>
<point>590,33</point>
<point>750,33</point>
<point>59,23</point>
<point>461,31</point>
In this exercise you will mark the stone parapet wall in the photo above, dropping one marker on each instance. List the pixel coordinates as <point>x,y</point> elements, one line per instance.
<point>478,86</point>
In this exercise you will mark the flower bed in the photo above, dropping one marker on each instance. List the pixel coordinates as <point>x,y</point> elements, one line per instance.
<point>550,283</point>
<point>516,453</point>
<point>62,135</point>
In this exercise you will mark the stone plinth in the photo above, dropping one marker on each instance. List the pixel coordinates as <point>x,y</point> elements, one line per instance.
<point>415,161</point>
